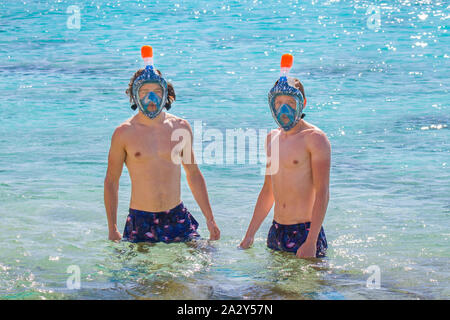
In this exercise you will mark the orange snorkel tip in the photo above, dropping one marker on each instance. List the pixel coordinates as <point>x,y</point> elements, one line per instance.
<point>146,52</point>
<point>287,60</point>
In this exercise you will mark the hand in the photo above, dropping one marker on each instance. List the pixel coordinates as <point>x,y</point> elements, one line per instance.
<point>246,243</point>
<point>307,250</point>
<point>115,236</point>
<point>214,232</point>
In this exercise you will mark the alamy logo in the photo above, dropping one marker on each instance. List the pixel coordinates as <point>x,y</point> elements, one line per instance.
<point>374,20</point>
<point>374,280</point>
<point>236,146</point>
<point>74,280</point>
<point>74,20</point>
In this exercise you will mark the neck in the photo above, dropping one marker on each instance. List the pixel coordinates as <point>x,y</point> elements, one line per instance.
<point>143,119</point>
<point>296,129</point>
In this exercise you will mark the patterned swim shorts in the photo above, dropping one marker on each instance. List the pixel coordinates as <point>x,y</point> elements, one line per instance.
<point>289,237</point>
<point>174,225</point>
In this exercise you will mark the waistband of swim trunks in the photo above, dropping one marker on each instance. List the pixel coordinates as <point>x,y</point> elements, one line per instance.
<point>174,209</point>
<point>303,224</point>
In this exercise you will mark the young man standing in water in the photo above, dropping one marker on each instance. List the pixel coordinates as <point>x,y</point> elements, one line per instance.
<point>299,184</point>
<point>144,143</point>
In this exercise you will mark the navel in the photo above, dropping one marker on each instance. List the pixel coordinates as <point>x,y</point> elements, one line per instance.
<point>295,161</point>
<point>137,154</point>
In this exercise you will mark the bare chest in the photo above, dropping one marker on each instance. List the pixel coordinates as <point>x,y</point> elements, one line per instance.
<point>292,154</point>
<point>145,146</point>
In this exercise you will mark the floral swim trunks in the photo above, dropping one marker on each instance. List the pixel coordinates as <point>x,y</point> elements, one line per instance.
<point>174,225</point>
<point>289,237</point>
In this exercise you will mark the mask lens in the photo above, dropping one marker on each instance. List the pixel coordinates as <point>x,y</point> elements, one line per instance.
<point>151,102</point>
<point>286,115</point>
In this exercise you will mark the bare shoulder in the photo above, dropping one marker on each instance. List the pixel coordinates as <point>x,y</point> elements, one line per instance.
<point>177,122</point>
<point>272,134</point>
<point>316,139</point>
<point>123,130</point>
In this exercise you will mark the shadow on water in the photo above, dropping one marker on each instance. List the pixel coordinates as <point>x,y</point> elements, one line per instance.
<point>287,277</point>
<point>195,270</point>
<point>259,273</point>
<point>159,271</point>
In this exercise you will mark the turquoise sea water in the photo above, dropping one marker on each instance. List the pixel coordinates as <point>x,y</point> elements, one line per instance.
<point>381,95</point>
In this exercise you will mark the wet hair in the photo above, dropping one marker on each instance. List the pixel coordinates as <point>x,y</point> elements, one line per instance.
<point>298,85</point>
<point>171,97</point>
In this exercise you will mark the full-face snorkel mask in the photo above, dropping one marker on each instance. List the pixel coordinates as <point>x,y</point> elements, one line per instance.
<point>153,102</point>
<point>286,116</point>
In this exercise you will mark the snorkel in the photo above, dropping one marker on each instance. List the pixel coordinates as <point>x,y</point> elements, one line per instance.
<point>152,103</point>
<point>286,116</point>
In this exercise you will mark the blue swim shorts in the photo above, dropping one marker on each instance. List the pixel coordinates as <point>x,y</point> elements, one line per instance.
<point>174,225</point>
<point>289,237</point>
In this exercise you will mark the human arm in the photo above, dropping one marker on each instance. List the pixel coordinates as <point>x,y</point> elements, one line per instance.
<point>263,204</point>
<point>197,183</point>
<point>116,159</point>
<point>320,151</point>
